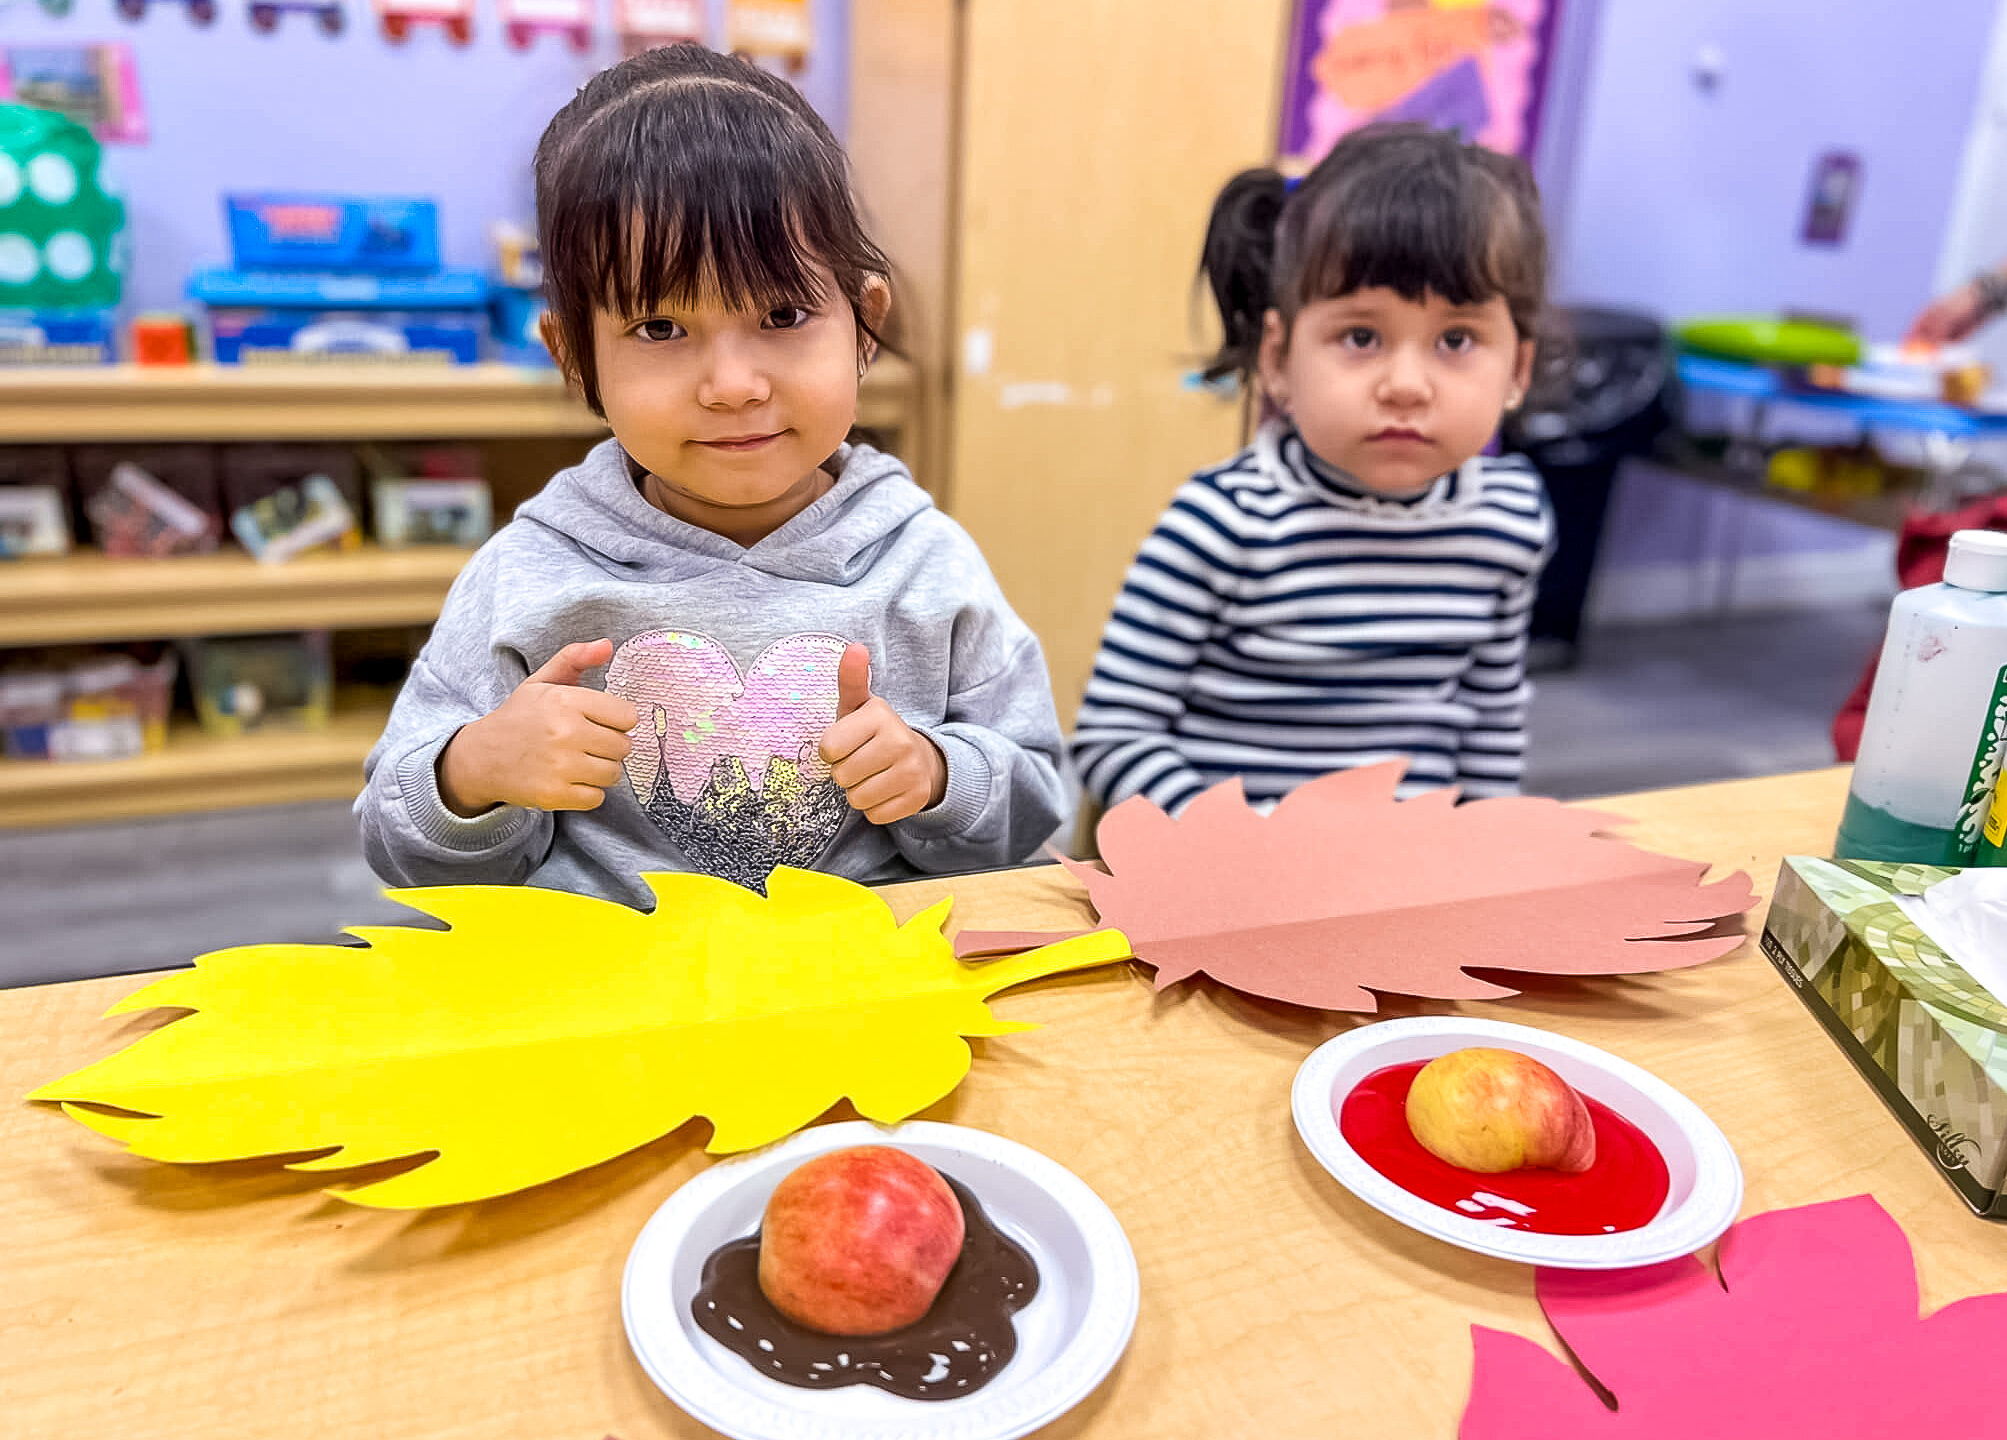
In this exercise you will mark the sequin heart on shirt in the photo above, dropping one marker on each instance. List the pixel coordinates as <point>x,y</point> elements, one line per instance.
<point>729,765</point>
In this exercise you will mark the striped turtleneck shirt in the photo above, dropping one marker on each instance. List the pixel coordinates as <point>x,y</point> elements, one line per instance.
<point>1282,622</point>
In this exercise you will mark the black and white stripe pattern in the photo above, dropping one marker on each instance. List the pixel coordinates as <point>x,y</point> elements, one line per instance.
<point>1281,623</point>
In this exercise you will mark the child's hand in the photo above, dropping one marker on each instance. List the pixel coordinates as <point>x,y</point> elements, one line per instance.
<point>552,745</point>
<point>887,768</point>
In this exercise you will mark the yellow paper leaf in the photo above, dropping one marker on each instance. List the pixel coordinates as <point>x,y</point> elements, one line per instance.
<point>545,1032</point>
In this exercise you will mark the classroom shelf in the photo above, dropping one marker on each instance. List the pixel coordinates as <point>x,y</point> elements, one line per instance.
<point>320,402</point>
<point>196,771</point>
<point>70,405</point>
<point>85,596</point>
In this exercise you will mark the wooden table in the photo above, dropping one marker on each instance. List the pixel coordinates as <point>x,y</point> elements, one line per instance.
<point>176,1302</point>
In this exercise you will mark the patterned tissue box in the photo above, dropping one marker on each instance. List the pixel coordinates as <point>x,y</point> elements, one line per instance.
<point>1928,1037</point>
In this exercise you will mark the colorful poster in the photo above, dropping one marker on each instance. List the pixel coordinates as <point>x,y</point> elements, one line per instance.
<point>1474,66</point>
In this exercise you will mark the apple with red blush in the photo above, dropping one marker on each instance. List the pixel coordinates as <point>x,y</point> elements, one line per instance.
<point>1491,1111</point>
<point>859,1241</point>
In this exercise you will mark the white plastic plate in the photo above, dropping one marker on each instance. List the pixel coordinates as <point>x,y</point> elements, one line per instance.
<point>1706,1179</point>
<point>1068,1338</point>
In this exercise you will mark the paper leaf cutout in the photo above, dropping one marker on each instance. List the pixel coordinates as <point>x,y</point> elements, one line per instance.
<point>546,1032</point>
<point>1812,1329</point>
<point>1342,891</point>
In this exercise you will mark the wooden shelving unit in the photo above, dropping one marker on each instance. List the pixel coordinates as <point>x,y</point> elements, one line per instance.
<point>57,405</point>
<point>196,771</point>
<point>86,597</point>
<point>332,402</point>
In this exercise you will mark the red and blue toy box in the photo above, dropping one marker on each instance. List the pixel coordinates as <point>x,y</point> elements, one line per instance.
<point>339,277</point>
<point>279,316</point>
<point>353,233</point>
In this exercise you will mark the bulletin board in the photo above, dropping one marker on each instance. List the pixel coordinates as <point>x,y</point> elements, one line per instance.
<point>1478,67</point>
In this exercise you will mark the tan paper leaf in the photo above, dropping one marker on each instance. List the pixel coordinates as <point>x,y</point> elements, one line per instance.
<point>1343,891</point>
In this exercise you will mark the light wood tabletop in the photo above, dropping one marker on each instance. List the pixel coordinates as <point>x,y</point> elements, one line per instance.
<point>176,1302</point>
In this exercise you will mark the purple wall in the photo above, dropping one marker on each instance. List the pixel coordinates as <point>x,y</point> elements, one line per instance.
<point>1680,200</point>
<point>231,109</point>
<point>1684,200</point>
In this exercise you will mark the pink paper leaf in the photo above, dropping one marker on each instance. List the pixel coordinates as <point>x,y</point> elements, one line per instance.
<point>1343,891</point>
<point>1811,1329</point>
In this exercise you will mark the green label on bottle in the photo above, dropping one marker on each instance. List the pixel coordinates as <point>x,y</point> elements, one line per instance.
<point>1986,757</point>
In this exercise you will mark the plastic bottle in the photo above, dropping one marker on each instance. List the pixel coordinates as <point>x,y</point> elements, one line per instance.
<point>1993,835</point>
<point>1936,726</point>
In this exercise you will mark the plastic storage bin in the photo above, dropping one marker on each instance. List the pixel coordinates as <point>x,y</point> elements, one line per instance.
<point>248,682</point>
<point>332,232</point>
<point>97,707</point>
<point>305,318</point>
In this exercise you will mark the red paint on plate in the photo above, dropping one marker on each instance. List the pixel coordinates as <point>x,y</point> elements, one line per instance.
<point>1624,1190</point>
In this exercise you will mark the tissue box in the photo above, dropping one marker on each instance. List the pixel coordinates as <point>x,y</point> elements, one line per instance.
<point>1928,1037</point>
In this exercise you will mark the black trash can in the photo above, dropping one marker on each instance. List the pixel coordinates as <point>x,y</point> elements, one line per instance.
<point>1599,393</point>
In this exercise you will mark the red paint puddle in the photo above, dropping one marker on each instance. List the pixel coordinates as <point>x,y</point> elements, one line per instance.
<point>1623,1190</point>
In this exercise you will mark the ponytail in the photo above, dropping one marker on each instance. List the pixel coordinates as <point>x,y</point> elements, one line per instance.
<point>1238,264</point>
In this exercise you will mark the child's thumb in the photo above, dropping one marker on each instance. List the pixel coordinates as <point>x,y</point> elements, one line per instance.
<point>569,665</point>
<point>853,680</point>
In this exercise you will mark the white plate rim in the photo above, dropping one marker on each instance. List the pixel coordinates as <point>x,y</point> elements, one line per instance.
<point>735,1407</point>
<point>1708,1211</point>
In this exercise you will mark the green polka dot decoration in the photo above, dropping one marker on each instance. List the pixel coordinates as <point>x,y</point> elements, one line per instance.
<point>59,230</point>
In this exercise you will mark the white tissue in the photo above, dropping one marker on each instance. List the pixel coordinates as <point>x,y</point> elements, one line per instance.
<point>1967,917</point>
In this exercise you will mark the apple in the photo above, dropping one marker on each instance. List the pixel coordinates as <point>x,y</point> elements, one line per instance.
<point>859,1241</point>
<point>1495,1110</point>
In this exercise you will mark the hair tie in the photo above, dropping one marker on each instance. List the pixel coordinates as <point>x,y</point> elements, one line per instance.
<point>1290,182</point>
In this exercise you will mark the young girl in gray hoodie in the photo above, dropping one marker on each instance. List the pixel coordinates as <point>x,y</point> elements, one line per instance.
<point>804,662</point>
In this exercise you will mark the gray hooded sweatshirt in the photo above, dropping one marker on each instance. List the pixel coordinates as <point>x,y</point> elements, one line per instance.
<point>729,653</point>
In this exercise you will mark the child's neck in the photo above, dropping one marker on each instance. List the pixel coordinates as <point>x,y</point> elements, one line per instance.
<point>1362,484</point>
<point>744,525</point>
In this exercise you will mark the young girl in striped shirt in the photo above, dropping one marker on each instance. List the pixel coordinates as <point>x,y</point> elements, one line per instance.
<point>1355,585</point>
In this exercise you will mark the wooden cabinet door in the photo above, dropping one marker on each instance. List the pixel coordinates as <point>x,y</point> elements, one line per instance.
<point>1095,134</point>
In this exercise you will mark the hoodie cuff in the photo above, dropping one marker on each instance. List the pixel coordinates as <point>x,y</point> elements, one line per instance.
<point>967,794</point>
<point>418,784</point>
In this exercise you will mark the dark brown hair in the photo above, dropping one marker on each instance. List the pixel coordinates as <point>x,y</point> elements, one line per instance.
<point>1402,206</point>
<point>681,171</point>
